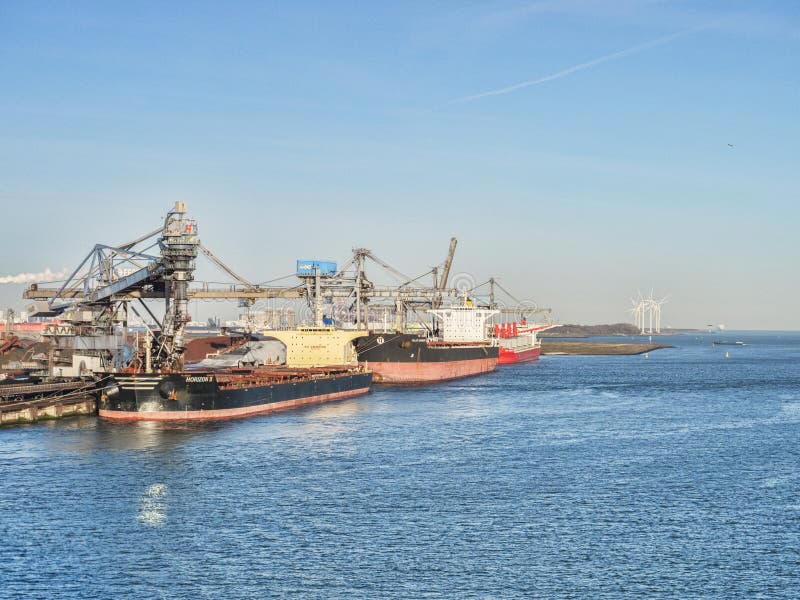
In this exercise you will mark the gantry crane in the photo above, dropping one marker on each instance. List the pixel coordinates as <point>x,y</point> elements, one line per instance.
<point>111,282</point>
<point>94,301</point>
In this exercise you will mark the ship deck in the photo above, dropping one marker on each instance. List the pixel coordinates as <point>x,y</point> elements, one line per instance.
<point>243,377</point>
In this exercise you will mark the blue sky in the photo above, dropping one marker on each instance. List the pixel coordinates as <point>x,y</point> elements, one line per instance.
<point>306,129</point>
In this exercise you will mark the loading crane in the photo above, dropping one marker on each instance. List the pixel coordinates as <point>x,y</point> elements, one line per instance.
<point>111,282</point>
<point>354,288</point>
<point>442,284</point>
<point>94,301</point>
<point>522,310</point>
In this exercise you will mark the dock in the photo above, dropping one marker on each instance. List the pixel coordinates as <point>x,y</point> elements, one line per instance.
<point>32,402</point>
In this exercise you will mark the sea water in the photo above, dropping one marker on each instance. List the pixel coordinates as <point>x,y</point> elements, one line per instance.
<point>672,476</point>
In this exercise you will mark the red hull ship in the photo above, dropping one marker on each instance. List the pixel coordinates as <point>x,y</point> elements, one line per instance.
<point>510,357</point>
<point>518,342</point>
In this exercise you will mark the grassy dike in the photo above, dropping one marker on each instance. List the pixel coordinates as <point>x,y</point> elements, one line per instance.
<point>586,348</point>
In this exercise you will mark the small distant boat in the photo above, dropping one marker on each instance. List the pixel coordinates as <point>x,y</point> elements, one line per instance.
<point>728,343</point>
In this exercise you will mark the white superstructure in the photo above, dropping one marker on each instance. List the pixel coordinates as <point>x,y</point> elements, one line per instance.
<point>463,323</point>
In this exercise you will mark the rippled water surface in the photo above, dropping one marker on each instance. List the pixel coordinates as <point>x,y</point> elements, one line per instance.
<point>596,477</point>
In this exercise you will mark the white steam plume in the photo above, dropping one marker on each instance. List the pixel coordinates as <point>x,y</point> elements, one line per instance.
<point>44,276</point>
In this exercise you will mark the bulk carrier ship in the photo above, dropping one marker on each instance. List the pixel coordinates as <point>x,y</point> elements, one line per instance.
<point>238,383</point>
<point>147,377</point>
<point>458,347</point>
<point>246,377</point>
<point>227,393</point>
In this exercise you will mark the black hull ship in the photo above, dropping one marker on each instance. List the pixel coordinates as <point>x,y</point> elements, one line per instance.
<point>404,358</point>
<point>225,394</point>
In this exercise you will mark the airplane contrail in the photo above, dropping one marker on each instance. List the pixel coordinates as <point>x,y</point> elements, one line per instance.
<point>580,67</point>
<point>45,276</point>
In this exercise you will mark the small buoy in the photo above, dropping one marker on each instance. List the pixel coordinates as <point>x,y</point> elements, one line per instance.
<point>646,355</point>
<point>727,355</point>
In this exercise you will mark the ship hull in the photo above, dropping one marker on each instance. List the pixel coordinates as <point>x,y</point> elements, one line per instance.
<point>510,356</point>
<point>429,372</point>
<point>407,359</point>
<point>203,396</point>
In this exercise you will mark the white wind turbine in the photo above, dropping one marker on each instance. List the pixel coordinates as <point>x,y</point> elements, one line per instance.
<point>657,304</point>
<point>639,310</point>
<point>637,313</point>
<point>651,309</point>
<point>647,312</point>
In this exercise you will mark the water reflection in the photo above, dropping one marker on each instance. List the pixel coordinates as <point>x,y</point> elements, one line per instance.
<point>324,424</point>
<point>90,434</point>
<point>153,505</point>
<point>669,477</point>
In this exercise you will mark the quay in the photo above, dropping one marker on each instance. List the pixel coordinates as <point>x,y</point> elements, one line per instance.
<point>29,403</point>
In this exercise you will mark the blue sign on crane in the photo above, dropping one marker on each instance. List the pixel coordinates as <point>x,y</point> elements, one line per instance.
<point>308,268</point>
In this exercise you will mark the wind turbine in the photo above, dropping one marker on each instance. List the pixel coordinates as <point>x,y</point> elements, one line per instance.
<point>650,307</point>
<point>658,304</point>
<point>636,312</point>
<point>646,312</point>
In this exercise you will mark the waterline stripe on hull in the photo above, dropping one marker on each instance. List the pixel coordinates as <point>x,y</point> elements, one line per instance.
<point>428,372</point>
<point>226,413</point>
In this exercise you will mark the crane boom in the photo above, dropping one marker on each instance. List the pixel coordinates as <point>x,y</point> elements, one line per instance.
<point>448,263</point>
<point>224,267</point>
